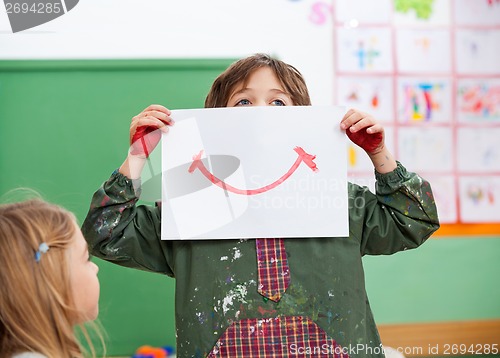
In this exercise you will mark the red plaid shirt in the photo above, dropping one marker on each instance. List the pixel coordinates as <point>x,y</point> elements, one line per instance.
<point>277,337</point>
<point>272,265</point>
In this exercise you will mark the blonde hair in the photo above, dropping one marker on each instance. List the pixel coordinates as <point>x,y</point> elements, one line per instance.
<point>37,310</point>
<point>240,71</point>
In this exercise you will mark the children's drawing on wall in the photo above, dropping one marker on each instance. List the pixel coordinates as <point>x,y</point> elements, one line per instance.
<point>423,51</point>
<point>478,149</point>
<point>479,199</point>
<point>354,12</point>
<point>478,100</point>
<point>422,8</point>
<point>421,12</point>
<point>423,100</point>
<point>437,62</point>
<point>445,194</point>
<point>477,12</point>
<point>369,94</point>
<point>477,51</point>
<point>427,149</point>
<point>364,50</point>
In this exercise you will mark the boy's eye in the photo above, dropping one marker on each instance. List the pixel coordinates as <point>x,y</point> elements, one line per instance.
<point>243,102</point>
<point>278,102</point>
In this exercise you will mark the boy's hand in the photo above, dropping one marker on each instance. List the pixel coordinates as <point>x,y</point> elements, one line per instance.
<point>146,128</point>
<point>363,130</point>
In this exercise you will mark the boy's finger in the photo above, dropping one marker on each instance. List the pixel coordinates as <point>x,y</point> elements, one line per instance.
<point>150,122</point>
<point>350,118</point>
<point>376,128</point>
<point>158,107</point>
<point>160,115</point>
<point>363,122</point>
<point>348,113</point>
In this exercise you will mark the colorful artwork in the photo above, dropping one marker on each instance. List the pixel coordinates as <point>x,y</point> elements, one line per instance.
<point>366,53</point>
<point>422,13</point>
<point>364,50</point>
<point>438,91</point>
<point>421,100</point>
<point>480,199</point>
<point>422,8</point>
<point>478,100</point>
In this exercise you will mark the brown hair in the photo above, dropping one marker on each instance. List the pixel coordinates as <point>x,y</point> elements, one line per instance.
<point>240,71</point>
<point>37,311</point>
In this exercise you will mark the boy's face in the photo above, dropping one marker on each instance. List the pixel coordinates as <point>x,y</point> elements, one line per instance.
<point>261,89</point>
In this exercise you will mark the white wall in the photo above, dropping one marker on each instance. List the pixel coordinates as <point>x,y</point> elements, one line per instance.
<point>297,31</point>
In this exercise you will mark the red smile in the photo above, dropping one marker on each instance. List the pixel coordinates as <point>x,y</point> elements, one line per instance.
<point>302,157</point>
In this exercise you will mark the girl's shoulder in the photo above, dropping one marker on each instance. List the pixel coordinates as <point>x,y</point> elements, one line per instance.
<point>29,355</point>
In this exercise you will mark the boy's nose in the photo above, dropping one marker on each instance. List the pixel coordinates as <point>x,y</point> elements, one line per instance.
<point>261,103</point>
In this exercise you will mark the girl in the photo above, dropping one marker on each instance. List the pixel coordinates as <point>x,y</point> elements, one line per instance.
<point>48,284</point>
<point>227,304</point>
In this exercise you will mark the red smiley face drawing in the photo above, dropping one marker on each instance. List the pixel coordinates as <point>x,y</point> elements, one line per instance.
<point>303,157</point>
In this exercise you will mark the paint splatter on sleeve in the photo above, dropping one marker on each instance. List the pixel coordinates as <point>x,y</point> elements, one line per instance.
<point>119,231</point>
<point>401,215</point>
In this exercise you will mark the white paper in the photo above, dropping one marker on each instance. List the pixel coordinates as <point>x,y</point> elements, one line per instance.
<point>480,199</point>
<point>364,50</point>
<point>430,71</point>
<point>352,12</point>
<point>478,149</point>
<point>267,188</point>
<point>477,51</point>
<point>474,12</point>
<point>370,94</point>
<point>426,149</point>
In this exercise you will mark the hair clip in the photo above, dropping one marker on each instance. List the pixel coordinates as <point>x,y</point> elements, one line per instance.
<point>42,249</point>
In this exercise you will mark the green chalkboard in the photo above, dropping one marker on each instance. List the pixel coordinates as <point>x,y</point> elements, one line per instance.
<point>64,129</point>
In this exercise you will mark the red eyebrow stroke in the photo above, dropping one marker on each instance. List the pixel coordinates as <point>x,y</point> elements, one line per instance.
<point>303,157</point>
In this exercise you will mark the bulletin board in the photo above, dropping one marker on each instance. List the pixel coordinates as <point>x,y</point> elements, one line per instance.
<point>430,72</point>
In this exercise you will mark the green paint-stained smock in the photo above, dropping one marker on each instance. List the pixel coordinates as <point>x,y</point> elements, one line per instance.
<point>216,280</point>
